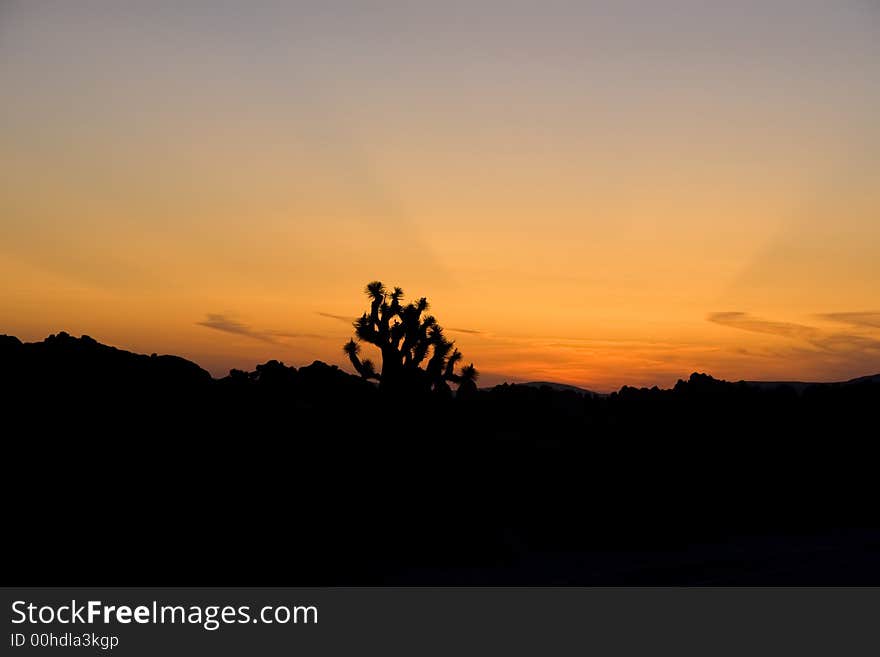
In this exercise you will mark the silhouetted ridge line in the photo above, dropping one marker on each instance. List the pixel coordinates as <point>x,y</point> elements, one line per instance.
<point>85,361</point>
<point>559,386</point>
<point>62,359</point>
<point>312,476</point>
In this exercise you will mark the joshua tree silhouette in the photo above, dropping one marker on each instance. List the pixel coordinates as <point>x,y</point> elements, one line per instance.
<point>406,339</point>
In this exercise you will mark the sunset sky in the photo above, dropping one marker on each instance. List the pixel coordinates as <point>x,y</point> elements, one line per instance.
<point>596,193</point>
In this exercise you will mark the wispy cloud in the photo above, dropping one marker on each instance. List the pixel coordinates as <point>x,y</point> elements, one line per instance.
<point>834,341</point>
<point>341,318</point>
<point>228,325</point>
<point>288,334</point>
<point>748,322</point>
<point>464,330</point>
<point>861,319</point>
<point>220,322</point>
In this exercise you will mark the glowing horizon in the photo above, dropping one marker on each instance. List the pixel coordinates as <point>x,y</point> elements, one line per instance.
<point>597,194</point>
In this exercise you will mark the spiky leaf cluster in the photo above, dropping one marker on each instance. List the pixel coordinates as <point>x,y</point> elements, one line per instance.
<point>415,351</point>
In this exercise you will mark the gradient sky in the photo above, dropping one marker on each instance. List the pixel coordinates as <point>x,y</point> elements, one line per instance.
<point>595,193</point>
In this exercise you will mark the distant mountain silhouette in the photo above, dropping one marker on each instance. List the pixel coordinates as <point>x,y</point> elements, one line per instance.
<point>62,359</point>
<point>155,472</point>
<point>800,386</point>
<point>83,362</point>
<point>560,386</point>
<point>871,378</point>
<point>88,362</point>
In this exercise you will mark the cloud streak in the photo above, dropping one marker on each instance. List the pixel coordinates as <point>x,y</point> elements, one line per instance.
<point>341,318</point>
<point>226,324</point>
<point>819,338</point>
<point>747,322</point>
<point>220,322</point>
<point>860,319</point>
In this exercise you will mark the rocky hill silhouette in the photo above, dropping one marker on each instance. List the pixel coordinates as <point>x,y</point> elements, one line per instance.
<point>62,359</point>
<point>145,468</point>
<point>560,386</point>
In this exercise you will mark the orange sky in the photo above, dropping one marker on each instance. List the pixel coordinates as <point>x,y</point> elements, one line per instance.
<point>603,194</point>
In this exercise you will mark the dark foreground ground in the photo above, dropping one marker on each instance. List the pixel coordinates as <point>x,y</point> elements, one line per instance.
<point>137,470</point>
